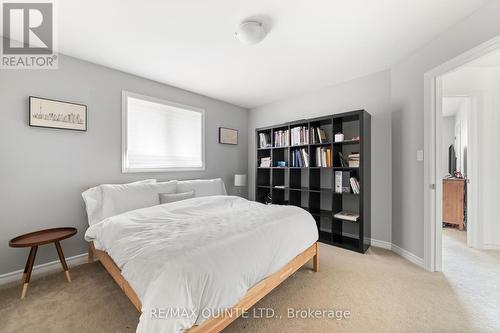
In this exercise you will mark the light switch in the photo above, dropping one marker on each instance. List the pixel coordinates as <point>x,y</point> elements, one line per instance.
<point>420,155</point>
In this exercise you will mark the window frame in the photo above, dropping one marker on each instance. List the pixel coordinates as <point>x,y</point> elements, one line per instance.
<point>125,168</point>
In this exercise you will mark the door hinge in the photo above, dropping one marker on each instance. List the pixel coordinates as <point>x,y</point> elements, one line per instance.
<point>432,186</point>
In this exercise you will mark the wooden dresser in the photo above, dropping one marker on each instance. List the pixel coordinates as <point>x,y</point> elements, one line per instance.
<point>453,201</point>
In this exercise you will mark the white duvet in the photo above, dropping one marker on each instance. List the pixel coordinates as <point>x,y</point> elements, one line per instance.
<point>189,259</point>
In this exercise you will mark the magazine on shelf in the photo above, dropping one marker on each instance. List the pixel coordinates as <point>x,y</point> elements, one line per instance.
<point>347,216</point>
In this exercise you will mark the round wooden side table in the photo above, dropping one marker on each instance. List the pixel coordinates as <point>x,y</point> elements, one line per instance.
<point>37,238</point>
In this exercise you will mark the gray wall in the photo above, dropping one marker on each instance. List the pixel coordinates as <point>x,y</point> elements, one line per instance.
<point>44,171</point>
<point>407,82</point>
<point>371,93</point>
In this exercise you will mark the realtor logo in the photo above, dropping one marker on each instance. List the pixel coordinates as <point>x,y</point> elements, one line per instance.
<point>28,35</point>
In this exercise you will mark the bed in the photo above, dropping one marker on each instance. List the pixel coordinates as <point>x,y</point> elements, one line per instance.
<point>198,263</point>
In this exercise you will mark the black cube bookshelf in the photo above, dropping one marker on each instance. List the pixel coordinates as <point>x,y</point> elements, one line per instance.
<point>312,187</point>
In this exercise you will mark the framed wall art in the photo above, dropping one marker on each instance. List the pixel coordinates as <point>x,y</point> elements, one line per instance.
<point>228,136</point>
<point>50,113</point>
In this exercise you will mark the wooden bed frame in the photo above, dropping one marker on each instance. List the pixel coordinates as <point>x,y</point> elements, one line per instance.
<point>253,295</point>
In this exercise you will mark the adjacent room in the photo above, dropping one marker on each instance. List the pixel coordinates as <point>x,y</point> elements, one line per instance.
<point>470,241</point>
<point>249,166</point>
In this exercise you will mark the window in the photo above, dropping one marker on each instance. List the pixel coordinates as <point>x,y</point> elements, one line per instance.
<point>160,135</point>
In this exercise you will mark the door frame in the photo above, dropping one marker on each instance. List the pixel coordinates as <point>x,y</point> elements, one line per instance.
<point>432,150</point>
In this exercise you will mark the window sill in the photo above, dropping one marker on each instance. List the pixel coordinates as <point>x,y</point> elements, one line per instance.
<point>159,170</point>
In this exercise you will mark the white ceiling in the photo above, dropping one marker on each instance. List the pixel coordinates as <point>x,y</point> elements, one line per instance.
<point>311,44</point>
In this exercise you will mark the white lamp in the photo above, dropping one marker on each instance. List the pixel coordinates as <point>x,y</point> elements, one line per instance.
<point>240,181</point>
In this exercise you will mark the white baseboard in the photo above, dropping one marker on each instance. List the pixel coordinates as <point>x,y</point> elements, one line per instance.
<point>381,244</point>
<point>394,248</point>
<point>373,242</point>
<point>491,247</point>
<point>43,269</point>
<point>408,255</point>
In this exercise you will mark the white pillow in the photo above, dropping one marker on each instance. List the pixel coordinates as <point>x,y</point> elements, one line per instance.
<point>202,187</point>
<point>93,199</point>
<point>121,199</point>
<point>173,197</point>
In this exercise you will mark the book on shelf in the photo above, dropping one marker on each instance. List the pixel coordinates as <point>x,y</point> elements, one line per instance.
<point>338,182</point>
<point>265,162</point>
<point>318,135</point>
<point>264,140</point>
<point>354,185</point>
<point>300,158</point>
<point>299,136</point>
<point>323,157</point>
<point>343,162</point>
<point>342,182</point>
<point>281,138</point>
<point>347,216</point>
<point>305,158</point>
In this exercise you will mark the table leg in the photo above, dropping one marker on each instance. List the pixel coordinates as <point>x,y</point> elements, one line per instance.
<point>26,267</point>
<point>63,261</point>
<point>27,270</point>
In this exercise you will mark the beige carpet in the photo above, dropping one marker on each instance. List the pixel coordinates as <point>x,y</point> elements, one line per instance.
<point>474,276</point>
<point>382,291</point>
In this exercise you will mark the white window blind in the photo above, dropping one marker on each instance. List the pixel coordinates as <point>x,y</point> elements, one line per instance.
<point>161,135</point>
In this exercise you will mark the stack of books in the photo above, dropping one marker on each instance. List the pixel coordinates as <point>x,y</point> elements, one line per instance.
<point>299,136</point>
<point>264,140</point>
<point>353,160</point>
<point>323,157</point>
<point>281,138</point>
<point>347,216</point>
<point>300,159</point>
<point>318,135</point>
<point>265,162</point>
<point>354,185</point>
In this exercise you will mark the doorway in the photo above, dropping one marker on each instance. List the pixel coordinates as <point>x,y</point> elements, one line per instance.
<point>479,67</point>
<point>456,111</point>
<point>462,226</point>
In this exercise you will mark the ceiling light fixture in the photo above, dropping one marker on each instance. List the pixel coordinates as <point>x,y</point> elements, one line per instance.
<point>250,32</point>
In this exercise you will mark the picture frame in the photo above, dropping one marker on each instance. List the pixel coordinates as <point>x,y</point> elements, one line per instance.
<point>228,136</point>
<point>52,113</point>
